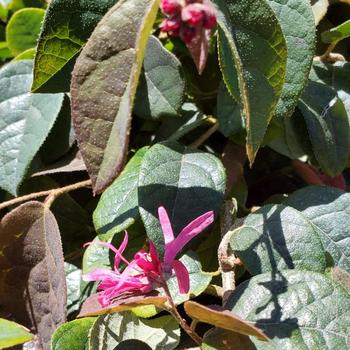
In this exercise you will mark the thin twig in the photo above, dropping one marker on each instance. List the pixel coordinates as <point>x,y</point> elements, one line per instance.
<point>205,136</point>
<point>51,194</point>
<point>172,309</point>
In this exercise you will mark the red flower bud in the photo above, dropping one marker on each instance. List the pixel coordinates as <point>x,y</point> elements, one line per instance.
<point>210,20</point>
<point>170,25</point>
<point>193,15</point>
<point>170,7</point>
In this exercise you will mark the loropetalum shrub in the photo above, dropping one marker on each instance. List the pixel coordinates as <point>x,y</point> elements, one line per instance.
<point>166,164</point>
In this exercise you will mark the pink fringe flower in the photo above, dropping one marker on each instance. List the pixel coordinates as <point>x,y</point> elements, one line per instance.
<point>146,271</point>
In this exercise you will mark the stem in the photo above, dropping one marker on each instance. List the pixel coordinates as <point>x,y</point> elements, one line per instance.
<point>50,194</point>
<point>205,136</point>
<point>172,309</point>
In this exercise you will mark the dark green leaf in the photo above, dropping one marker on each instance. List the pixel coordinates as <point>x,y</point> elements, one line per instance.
<point>162,333</point>
<point>67,26</point>
<point>161,89</point>
<point>104,84</point>
<point>23,29</point>
<point>299,310</point>
<point>73,335</point>
<point>328,210</point>
<point>328,126</point>
<point>118,207</point>
<point>33,115</point>
<point>32,279</point>
<point>337,33</point>
<point>12,334</point>
<point>276,238</point>
<point>253,58</point>
<point>298,26</point>
<point>185,181</point>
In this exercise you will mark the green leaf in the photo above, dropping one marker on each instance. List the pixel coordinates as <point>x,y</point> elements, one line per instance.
<point>162,333</point>
<point>298,26</point>
<point>185,181</point>
<point>162,86</point>
<point>221,339</point>
<point>26,55</point>
<point>334,35</point>
<point>67,26</point>
<point>23,29</point>
<point>276,238</point>
<point>73,335</point>
<point>73,281</point>
<point>199,280</point>
<point>253,58</point>
<point>4,51</point>
<point>12,334</point>
<point>32,279</point>
<point>328,210</point>
<point>328,126</point>
<point>104,84</point>
<point>117,208</point>
<point>33,115</point>
<point>298,310</point>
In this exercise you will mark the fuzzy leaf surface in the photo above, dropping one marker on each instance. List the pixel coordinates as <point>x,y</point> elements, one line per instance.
<point>104,84</point>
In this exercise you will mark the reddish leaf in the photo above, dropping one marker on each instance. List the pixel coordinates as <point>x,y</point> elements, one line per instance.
<point>222,318</point>
<point>32,279</point>
<point>91,306</point>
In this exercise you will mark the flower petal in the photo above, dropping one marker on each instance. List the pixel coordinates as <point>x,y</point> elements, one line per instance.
<point>182,276</point>
<point>100,275</point>
<point>189,232</point>
<point>119,257</point>
<point>166,225</point>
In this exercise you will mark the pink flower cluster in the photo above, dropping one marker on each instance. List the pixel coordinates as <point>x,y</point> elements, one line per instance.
<point>185,18</point>
<point>146,271</point>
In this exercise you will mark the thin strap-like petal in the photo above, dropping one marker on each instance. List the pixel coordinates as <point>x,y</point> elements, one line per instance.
<point>118,257</point>
<point>166,225</point>
<point>188,233</point>
<point>182,276</point>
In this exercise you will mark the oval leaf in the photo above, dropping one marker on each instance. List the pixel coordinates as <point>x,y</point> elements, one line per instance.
<point>253,58</point>
<point>219,317</point>
<point>328,210</point>
<point>32,278</point>
<point>12,334</point>
<point>23,29</point>
<point>33,116</point>
<point>276,238</point>
<point>73,335</point>
<point>118,207</point>
<point>162,86</point>
<point>298,310</point>
<point>162,333</point>
<point>67,26</point>
<point>185,181</point>
<point>104,84</point>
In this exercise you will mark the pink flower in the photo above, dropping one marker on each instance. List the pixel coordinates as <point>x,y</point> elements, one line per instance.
<point>146,271</point>
<point>170,7</point>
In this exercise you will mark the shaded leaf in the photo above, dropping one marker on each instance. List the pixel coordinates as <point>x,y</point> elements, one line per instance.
<point>23,29</point>
<point>73,281</point>
<point>73,335</point>
<point>33,116</point>
<point>221,339</point>
<point>253,59</point>
<point>162,86</point>
<point>67,26</point>
<point>32,279</point>
<point>12,334</point>
<point>117,208</point>
<point>298,310</point>
<point>337,33</point>
<point>162,333</point>
<point>185,181</point>
<point>276,238</point>
<point>104,84</point>
<point>328,126</point>
<point>219,317</point>
<point>91,306</point>
<point>328,210</point>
